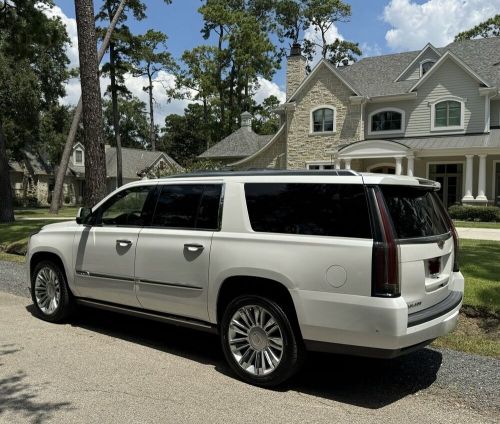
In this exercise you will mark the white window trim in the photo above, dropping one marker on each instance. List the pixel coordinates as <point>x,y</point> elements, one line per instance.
<point>460,127</point>
<point>387,109</point>
<point>311,120</point>
<point>321,164</point>
<point>425,61</point>
<point>74,156</point>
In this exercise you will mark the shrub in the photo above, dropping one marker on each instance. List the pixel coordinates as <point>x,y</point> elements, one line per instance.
<point>475,213</point>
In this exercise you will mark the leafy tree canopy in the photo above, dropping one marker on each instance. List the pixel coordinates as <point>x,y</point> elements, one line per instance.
<point>486,29</point>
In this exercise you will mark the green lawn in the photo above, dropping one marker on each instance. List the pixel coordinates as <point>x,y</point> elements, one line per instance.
<point>474,224</point>
<point>44,212</point>
<point>19,230</point>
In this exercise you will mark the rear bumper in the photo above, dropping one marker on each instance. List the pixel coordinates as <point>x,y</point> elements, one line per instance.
<point>374,327</point>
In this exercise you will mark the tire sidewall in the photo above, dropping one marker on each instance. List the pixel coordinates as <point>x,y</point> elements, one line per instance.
<point>291,349</point>
<point>64,307</point>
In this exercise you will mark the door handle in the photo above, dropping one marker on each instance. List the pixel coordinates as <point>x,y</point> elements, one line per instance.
<point>194,247</point>
<point>124,243</point>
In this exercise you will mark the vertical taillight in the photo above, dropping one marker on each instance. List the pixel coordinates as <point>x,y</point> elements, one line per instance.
<point>385,258</point>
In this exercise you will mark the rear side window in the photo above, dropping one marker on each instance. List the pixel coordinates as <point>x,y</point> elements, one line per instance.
<point>314,209</point>
<point>188,206</point>
<point>415,212</point>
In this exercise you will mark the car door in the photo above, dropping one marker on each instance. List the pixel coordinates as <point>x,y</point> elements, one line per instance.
<point>172,258</point>
<point>104,248</point>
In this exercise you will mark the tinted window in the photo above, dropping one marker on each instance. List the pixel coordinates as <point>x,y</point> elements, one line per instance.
<point>314,209</point>
<point>125,208</point>
<point>386,121</point>
<point>414,212</point>
<point>188,206</point>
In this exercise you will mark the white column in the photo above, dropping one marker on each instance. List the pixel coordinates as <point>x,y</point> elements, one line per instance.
<point>399,166</point>
<point>411,162</point>
<point>468,177</point>
<point>481,182</point>
<point>337,163</point>
<point>347,163</point>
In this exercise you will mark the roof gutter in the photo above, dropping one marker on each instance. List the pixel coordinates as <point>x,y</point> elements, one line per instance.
<point>393,97</point>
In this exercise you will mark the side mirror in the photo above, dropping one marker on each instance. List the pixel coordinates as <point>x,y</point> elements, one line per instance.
<point>82,214</point>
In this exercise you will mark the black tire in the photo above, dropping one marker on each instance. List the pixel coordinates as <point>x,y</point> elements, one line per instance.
<point>66,304</point>
<point>293,351</point>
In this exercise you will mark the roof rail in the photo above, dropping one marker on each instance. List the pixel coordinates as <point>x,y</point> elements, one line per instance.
<point>264,172</point>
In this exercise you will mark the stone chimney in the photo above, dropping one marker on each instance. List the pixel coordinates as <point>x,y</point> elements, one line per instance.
<point>246,120</point>
<point>295,69</point>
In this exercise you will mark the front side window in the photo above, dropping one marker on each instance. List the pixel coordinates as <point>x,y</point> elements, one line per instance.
<point>188,206</point>
<point>323,120</point>
<point>126,208</point>
<point>448,114</point>
<point>387,120</point>
<point>312,209</point>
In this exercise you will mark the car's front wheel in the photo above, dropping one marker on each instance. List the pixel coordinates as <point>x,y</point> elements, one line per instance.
<point>259,341</point>
<point>50,292</point>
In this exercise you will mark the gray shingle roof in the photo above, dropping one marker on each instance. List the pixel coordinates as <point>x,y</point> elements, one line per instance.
<point>375,76</point>
<point>241,143</point>
<point>35,161</point>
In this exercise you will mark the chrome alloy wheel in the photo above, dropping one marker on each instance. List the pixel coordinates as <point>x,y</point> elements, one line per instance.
<point>255,340</point>
<point>47,290</point>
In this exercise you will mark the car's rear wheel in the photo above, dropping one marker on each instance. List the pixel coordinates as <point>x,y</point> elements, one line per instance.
<point>259,341</point>
<point>50,293</point>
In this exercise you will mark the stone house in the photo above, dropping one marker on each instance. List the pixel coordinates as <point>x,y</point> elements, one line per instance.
<point>33,177</point>
<point>433,113</point>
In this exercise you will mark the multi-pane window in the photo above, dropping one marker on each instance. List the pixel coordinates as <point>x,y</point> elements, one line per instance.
<point>448,114</point>
<point>78,156</point>
<point>323,120</point>
<point>426,66</point>
<point>387,120</point>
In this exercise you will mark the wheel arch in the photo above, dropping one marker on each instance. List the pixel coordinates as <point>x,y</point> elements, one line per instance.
<point>45,255</point>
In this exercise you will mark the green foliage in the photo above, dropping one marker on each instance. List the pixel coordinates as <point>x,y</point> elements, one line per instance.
<point>134,126</point>
<point>486,29</point>
<point>266,121</point>
<point>475,213</point>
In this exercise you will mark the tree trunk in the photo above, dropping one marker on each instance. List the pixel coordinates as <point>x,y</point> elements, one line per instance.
<point>324,50</point>
<point>68,147</point>
<point>95,159</point>
<point>219,80</point>
<point>6,201</point>
<point>152,135</point>
<point>116,115</point>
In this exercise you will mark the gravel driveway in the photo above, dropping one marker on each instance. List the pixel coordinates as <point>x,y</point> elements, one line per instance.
<point>127,369</point>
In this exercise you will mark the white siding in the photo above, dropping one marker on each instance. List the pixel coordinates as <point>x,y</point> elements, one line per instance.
<point>414,71</point>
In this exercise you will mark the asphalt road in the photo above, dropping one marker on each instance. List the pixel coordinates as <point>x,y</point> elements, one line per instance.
<point>106,368</point>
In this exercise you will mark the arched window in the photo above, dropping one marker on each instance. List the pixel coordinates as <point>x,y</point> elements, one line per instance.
<point>387,121</point>
<point>323,119</point>
<point>448,114</point>
<point>425,66</point>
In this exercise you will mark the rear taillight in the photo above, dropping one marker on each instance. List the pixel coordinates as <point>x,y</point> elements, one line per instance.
<point>385,258</point>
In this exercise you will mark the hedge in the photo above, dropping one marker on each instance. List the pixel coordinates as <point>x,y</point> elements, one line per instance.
<point>475,213</point>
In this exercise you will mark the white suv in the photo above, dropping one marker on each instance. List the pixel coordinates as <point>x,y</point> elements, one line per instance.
<point>277,263</point>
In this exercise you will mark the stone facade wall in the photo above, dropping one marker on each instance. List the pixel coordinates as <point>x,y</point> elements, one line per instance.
<point>324,89</point>
<point>273,157</point>
<point>295,73</point>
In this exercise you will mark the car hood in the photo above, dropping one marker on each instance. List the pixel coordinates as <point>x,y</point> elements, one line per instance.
<point>60,225</point>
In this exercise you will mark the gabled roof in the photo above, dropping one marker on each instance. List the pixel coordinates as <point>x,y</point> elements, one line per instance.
<point>36,163</point>
<point>428,46</point>
<point>241,143</point>
<point>449,56</point>
<point>323,63</point>
<point>377,76</point>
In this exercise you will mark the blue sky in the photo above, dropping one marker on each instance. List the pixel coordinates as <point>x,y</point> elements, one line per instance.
<point>379,26</point>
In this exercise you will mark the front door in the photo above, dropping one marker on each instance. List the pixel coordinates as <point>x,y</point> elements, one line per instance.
<point>450,177</point>
<point>104,249</point>
<point>172,258</point>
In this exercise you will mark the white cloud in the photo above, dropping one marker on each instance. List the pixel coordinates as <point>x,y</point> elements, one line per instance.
<point>268,88</point>
<point>369,49</point>
<point>435,21</point>
<point>314,35</point>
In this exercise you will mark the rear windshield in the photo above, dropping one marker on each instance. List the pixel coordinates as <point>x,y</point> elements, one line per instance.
<point>414,211</point>
<point>314,209</point>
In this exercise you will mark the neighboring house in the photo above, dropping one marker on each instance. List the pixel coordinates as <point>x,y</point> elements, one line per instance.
<point>33,177</point>
<point>433,113</point>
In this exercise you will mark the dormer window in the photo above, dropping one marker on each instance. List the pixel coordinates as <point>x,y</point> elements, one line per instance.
<point>323,119</point>
<point>78,157</point>
<point>425,66</point>
<point>386,121</point>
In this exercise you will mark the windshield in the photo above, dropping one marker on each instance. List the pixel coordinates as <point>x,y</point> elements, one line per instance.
<point>414,211</point>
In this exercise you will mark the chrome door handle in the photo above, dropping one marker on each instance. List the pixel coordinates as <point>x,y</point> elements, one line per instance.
<point>124,243</point>
<point>193,247</point>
